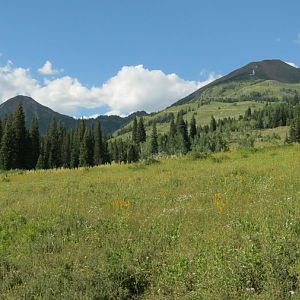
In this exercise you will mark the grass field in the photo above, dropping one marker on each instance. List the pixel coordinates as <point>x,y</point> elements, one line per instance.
<point>225,227</point>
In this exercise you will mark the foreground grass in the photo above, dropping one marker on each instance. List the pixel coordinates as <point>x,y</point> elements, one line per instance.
<point>227,227</point>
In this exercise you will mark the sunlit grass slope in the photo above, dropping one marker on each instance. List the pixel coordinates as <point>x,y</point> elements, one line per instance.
<point>227,227</point>
<point>202,114</point>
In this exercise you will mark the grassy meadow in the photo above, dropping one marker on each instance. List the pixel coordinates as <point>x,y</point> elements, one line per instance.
<point>223,227</point>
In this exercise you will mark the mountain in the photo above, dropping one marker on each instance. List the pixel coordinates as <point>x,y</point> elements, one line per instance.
<point>249,75</point>
<point>230,95</point>
<point>33,109</point>
<point>44,115</point>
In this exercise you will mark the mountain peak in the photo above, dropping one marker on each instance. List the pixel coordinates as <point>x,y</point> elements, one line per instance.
<point>271,69</point>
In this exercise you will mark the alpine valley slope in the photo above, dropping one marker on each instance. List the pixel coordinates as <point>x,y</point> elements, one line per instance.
<point>229,96</point>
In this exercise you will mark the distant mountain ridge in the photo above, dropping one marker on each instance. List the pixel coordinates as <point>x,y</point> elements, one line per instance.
<point>44,115</point>
<point>254,72</point>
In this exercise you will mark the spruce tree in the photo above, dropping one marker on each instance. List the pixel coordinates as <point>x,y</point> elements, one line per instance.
<point>172,130</point>
<point>134,131</point>
<point>54,159</point>
<point>295,130</point>
<point>99,147</point>
<point>141,132</point>
<point>20,137</point>
<point>193,128</point>
<point>154,140</point>
<point>213,124</point>
<point>182,135</point>
<point>35,142</point>
<point>86,155</point>
<point>7,149</point>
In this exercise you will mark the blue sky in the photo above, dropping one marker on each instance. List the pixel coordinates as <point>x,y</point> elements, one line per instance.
<point>111,51</point>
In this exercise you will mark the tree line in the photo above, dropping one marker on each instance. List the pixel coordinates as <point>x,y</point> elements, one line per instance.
<point>84,146</point>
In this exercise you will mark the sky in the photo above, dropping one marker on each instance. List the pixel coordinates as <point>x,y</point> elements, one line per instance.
<point>85,58</point>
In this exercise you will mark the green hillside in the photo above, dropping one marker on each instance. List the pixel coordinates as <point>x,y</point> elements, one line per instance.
<point>230,95</point>
<point>226,227</point>
<point>202,115</point>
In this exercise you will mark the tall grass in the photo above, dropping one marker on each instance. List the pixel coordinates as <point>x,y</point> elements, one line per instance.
<point>225,227</point>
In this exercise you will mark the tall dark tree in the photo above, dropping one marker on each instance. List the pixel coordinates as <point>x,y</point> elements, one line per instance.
<point>182,135</point>
<point>141,132</point>
<point>99,147</point>
<point>54,147</point>
<point>213,124</point>
<point>172,130</point>
<point>20,137</point>
<point>193,128</point>
<point>7,149</point>
<point>295,129</point>
<point>35,142</point>
<point>86,155</point>
<point>134,131</point>
<point>154,140</point>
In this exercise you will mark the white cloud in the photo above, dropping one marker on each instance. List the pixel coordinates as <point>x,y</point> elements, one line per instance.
<point>47,69</point>
<point>297,40</point>
<point>132,88</point>
<point>292,64</point>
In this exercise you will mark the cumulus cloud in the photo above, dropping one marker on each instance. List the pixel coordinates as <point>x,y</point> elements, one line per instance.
<point>47,69</point>
<point>292,64</point>
<point>132,88</point>
<point>297,40</point>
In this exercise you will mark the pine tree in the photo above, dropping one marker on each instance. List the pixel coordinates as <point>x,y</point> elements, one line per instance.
<point>182,135</point>
<point>295,130</point>
<point>35,142</point>
<point>7,147</point>
<point>141,132</point>
<point>134,131</point>
<point>248,114</point>
<point>193,128</point>
<point>66,149</point>
<point>130,154</point>
<point>172,130</point>
<point>54,145</point>
<point>153,141</point>
<point>20,136</point>
<point>99,147</point>
<point>86,155</point>
<point>213,124</point>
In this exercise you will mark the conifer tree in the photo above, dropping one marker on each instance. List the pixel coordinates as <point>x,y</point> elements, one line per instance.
<point>35,142</point>
<point>213,124</point>
<point>99,147</point>
<point>295,130</point>
<point>7,147</point>
<point>20,137</point>
<point>130,154</point>
<point>134,131</point>
<point>154,140</point>
<point>172,130</point>
<point>182,135</point>
<point>193,128</point>
<point>54,160</point>
<point>86,155</point>
<point>141,132</point>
